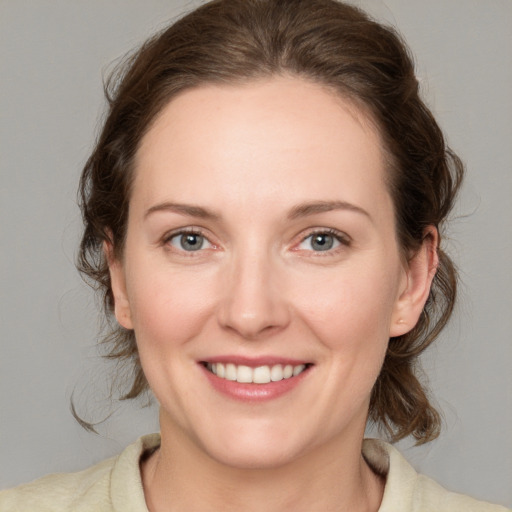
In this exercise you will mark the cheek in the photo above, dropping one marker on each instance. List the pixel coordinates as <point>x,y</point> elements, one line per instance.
<point>352,315</point>
<point>168,307</point>
<point>350,297</point>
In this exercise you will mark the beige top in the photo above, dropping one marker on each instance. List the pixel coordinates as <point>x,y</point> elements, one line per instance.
<point>115,485</point>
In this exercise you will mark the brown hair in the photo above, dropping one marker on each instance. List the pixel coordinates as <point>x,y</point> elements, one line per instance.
<point>325,41</point>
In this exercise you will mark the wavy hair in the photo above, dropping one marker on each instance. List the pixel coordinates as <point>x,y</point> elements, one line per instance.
<point>325,41</point>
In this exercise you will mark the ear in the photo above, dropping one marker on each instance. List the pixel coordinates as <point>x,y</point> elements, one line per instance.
<point>118,283</point>
<point>419,273</point>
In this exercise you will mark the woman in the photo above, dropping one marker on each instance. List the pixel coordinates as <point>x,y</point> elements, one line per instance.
<point>263,213</point>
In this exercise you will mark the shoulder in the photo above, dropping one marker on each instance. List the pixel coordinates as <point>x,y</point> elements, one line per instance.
<point>430,496</point>
<point>61,491</point>
<point>408,491</point>
<point>105,487</point>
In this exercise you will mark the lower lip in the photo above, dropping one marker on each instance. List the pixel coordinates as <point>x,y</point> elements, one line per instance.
<point>254,392</point>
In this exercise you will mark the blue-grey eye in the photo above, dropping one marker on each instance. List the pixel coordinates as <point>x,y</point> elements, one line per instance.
<point>189,242</point>
<point>319,242</point>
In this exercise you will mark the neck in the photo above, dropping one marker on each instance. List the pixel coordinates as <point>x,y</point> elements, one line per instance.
<point>333,477</point>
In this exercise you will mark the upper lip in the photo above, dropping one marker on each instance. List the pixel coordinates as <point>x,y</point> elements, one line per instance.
<point>254,362</point>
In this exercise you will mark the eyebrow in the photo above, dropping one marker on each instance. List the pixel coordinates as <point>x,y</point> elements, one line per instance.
<point>312,208</point>
<point>301,210</point>
<point>183,209</point>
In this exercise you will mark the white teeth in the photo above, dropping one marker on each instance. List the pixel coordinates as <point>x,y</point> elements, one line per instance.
<point>244,374</point>
<point>259,375</point>
<point>231,371</point>
<point>298,369</point>
<point>262,375</point>
<point>221,370</point>
<point>276,373</point>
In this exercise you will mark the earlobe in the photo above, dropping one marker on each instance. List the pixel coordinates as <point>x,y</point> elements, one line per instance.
<point>122,309</point>
<point>419,273</point>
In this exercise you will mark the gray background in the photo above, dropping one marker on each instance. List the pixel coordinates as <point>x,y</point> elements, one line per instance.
<point>52,56</point>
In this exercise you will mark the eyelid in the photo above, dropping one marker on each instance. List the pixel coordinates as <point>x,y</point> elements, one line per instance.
<point>344,239</point>
<point>190,230</point>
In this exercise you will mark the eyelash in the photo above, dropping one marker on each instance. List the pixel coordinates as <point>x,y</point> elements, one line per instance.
<point>343,239</point>
<point>340,237</point>
<point>166,240</point>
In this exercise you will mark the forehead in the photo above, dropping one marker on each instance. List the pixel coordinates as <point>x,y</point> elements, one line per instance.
<point>255,140</point>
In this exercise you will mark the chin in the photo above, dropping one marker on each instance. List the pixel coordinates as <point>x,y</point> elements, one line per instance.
<point>255,457</point>
<point>266,447</point>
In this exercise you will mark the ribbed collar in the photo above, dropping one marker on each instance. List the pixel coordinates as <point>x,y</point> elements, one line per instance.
<point>127,494</point>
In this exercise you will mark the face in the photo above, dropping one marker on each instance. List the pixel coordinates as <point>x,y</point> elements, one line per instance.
<point>261,271</point>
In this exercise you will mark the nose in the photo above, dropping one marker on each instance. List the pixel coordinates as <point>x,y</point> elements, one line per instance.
<point>253,300</point>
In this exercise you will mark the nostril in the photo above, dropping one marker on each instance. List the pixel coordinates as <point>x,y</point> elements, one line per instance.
<point>255,319</point>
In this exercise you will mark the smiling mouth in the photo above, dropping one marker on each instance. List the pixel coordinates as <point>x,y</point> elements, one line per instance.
<point>259,375</point>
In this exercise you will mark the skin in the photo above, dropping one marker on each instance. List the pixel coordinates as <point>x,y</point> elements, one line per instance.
<point>252,156</point>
